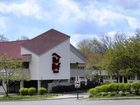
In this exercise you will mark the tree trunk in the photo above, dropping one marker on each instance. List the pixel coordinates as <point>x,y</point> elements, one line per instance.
<point>7,88</point>
<point>125,80</point>
<point>117,78</point>
<point>4,88</point>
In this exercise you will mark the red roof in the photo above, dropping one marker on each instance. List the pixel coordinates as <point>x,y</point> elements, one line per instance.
<point>11,48</point>
<point>45,41</point>
<point>38,45</point>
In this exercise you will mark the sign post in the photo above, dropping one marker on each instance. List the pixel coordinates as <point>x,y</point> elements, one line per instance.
<point>77,85</point>
<point>77,82</point>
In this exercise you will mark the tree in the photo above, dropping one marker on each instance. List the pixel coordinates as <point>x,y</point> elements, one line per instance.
<point>10,69</point>
<point>112,60</point>
<point>24,38</point>
<point>124,58</point>
<point>3,38</point>
<point>96,49</point>
<point>133,51</point>
<point>84,47</point>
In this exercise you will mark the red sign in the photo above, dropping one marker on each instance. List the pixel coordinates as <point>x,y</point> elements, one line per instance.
<point>55,63</point>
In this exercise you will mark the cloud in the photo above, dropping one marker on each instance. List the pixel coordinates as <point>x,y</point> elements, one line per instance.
<point>103,16</point>
<point>127,4</point>
<point>70,11</point>
<point>26,8</point>
<point>83,17</point>
<point>64,10</point>
<point>133,22</point>
<point>3,25</point>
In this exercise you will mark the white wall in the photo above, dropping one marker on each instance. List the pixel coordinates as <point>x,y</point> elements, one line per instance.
<point>34,64</point>
<point>41,65</point>
<point>79,72</point>
<point>45,63</point>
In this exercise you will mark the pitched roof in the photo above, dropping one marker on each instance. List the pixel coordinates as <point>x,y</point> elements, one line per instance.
<point>78,53</point>
<point>38,45</point>
<point>12,48</point>
<point>45,41</point>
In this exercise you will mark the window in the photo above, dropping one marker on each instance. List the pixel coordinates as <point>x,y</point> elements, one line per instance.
<point>25,65</point>
<point>73,66</point>
<point>131,77</point>
<point>81,67</point>
<point>138,77</point>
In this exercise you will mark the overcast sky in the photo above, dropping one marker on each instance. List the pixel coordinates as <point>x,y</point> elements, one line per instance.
<point>78,18</point>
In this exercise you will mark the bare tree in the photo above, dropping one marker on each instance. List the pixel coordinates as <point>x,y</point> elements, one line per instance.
<point>84,46</point>
<point>3,38</point>
<point>10,69</point>
<point>119,37</point>
<point>24,38</point>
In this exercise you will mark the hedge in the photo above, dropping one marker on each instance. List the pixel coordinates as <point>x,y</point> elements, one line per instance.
<point>23,91</point>
<point>31,91</point>
<point>42,90</point>
<point>114,89</point>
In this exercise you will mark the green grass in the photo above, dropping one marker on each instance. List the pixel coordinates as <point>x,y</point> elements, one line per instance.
<point>20,98</point>
<point>118,97</point>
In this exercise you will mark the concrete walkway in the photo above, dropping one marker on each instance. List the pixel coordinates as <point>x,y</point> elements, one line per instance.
<point>71,95</point>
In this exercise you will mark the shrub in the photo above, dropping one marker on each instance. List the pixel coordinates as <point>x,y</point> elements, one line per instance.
<point>23,91</point>
<point>102,88</point>
<point>127,93</point>
<point>104,93</point>
<point>121,87</point>
<point>113,87</point>
<point>98,94</point>
<point>92,92</point>
<point>128,87</point>
<point>31,91</point>
<point>42,90</point>
<point>122,93</point>
<point>136,87</point>
<point>112,93</point>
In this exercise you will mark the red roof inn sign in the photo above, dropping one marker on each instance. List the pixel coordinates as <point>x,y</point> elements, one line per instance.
<point>55,63</point>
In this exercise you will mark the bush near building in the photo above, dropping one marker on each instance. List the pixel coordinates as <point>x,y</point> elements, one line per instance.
<point>115,89</point>
<point>31,91</point>
<point>23,91</point>
<point>27,91</point>
<point>42,90</point>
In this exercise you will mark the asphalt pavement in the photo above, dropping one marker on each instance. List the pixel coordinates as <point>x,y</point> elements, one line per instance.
<point>73,101</point>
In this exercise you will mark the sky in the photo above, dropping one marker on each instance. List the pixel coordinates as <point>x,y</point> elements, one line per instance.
<point>80,19</point>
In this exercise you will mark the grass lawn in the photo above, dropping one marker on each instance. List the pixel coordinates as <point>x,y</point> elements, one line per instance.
<point>20,98</point>
<point>116,97</point>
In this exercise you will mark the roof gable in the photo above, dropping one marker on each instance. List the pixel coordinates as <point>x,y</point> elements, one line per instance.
<point>45,41</point>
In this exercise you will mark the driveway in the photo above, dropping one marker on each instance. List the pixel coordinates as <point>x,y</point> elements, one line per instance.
<point>74,101</point>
